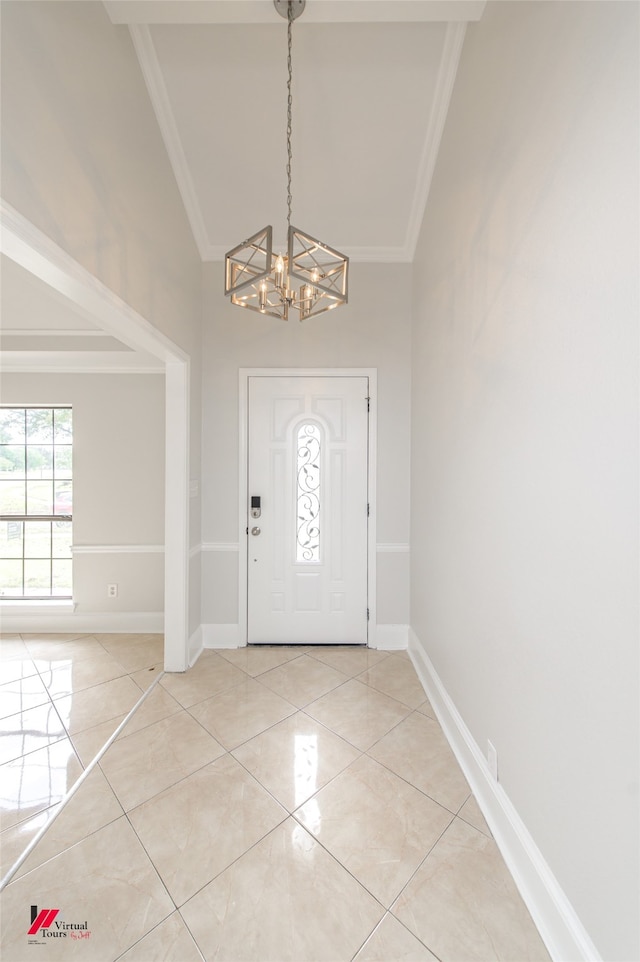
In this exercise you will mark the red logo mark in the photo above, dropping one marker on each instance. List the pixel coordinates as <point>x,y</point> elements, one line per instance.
<point>43,920</point>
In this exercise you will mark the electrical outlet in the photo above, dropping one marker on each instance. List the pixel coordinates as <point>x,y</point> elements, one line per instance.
<point>112,591</point>
<point>492,759</point>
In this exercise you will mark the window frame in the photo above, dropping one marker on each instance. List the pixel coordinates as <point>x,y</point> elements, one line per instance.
<point>51,519</point>
<point>308,490</point>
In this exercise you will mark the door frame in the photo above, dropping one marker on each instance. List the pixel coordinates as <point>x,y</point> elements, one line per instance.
<point>29,247</point>
<point>243,479</point>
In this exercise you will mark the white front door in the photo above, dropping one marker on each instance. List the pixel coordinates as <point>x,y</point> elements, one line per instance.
<point>307,479</point>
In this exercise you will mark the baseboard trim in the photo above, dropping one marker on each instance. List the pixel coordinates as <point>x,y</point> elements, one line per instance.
<point>560,928</point>
<point>87,622</point>
<point>221,636</point>
<point>390,637</point>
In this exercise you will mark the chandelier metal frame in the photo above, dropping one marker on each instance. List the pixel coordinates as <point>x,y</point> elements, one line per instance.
<point>257,280</point>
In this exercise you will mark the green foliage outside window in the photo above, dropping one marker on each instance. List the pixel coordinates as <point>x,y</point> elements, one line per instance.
<point>36,502</point>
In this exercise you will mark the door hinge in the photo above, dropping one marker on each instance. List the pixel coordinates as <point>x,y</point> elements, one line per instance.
<point>246,531</point>
<point>367,614</point>
<point>368,400</point>
<point>368,509</point>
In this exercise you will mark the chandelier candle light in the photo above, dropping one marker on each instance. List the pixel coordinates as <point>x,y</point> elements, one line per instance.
<point>311,277</point>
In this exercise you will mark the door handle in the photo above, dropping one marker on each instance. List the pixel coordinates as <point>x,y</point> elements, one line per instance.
<point>255,531</point>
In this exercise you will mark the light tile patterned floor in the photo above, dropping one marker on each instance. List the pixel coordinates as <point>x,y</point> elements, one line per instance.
<point>270,805</point>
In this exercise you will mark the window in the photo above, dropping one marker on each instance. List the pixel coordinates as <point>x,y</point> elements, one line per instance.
<point>35,502</point>
<point>308,493</point>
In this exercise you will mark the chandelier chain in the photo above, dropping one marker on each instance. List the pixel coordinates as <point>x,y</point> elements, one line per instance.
<point>289,106</point>
<point>308,276</point>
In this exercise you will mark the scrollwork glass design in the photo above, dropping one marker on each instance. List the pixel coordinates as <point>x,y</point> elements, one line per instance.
<point>308,494</point>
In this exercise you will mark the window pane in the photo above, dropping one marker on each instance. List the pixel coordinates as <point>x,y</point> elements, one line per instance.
<point>63,499</point>
<point>12,497</point>
<point>12,426</point>
<point>308,494</point>
<point>39,497</point>
<point>62,576</point>
<point>39,426</point>
<point>62,426</point>
<point>10,539</point>
<point>62,460</point>
<point>10,577</point>
<point>61,542</point>
<point>40,461</point>
<point>36,462</point>
<point>37,577</point>
<point>37,539</point>
<point>12,460</point>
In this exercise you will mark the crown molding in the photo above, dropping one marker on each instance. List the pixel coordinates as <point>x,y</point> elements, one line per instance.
<point>53,332</point>
<point>146,52</point>
<point>77,362</point>
<point>450,58</point>
<point>451,50</point>
<point>322,11</point>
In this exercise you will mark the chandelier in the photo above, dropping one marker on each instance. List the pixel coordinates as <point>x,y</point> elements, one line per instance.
<point>311,277</point>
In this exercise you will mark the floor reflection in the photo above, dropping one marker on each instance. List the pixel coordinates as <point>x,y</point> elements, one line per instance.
<point>38,780</point>
<point>26,731</point>
<point>305,774</point>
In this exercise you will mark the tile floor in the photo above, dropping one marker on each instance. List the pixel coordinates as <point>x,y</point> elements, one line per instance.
<point>271,804</point>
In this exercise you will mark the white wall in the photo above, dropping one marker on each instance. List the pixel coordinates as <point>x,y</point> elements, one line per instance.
<point>118,468</point>
<point>89,168</point>
<point>524,589</point>
<point>373,330</point>
<point>83,160</point>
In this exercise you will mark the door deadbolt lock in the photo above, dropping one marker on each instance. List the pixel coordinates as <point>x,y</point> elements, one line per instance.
<point>255,530</point>
<point>255,506</point>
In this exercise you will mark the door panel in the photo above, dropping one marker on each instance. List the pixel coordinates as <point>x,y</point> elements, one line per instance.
<point>307,552</point>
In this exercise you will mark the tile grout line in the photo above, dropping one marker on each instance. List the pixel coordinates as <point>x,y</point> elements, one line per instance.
<point>389,914</point>
<point>74,788</point>
<point>293,814</point>
<point>410,783</point>
<point>388,909</point>
<point>289,814</point>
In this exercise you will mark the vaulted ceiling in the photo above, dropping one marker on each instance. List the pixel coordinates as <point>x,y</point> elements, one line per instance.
<point>372,80</point>
<point>371,88</point>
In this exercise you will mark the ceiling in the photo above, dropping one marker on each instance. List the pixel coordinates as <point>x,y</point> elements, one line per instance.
<point>371,86</point>
<point>371,89</point>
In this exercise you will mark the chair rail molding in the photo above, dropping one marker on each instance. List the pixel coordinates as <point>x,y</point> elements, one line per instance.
<point>117,549</point>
